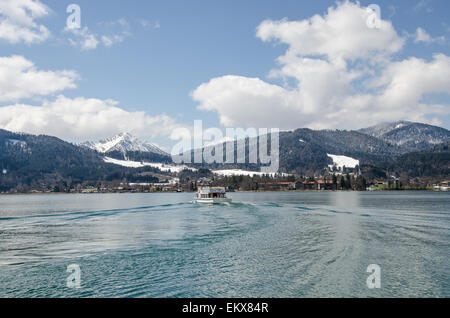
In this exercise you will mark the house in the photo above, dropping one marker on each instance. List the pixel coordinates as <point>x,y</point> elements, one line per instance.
<point>204,181</point>
<point>323,184</point>
<point>89,190</point>
<point>308,185</point>
<point>301,185</point>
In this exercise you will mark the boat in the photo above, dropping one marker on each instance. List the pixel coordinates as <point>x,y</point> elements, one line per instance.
<point>211,195</point>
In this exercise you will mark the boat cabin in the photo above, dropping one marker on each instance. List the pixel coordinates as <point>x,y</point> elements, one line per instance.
<point>211,193</point>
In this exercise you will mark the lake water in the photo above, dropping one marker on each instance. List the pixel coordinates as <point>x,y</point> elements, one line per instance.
<point>316,244</point>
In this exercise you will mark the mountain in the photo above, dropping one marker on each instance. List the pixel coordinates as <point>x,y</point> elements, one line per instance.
<point>124,143</point>
<point>28,160</point>
<point>24,151</point>
<point>431,162</point>
<point>125,146</point>
<point>411,136</point>
<point>44,163</point>
<point>307,152</point>
<point>378,149</point>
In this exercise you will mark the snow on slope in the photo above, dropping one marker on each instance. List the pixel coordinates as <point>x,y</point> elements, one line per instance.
<point>341,161</point>
<point>179,168</point>
<point>384,128</point>
<point>136,164</point>
<point>124,163</point>
<point>124,142</point>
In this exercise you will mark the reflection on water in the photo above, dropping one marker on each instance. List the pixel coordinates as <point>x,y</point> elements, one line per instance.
<point>263,245</point>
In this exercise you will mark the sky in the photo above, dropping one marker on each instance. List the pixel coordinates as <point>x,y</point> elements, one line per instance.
<point>153,67</point>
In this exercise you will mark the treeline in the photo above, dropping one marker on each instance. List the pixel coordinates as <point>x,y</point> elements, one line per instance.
<point>267,182</point>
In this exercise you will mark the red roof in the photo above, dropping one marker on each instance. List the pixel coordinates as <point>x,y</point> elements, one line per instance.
<point>324,181</point>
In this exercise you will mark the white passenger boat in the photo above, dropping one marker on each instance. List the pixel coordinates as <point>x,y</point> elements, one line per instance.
<point>211,195</point>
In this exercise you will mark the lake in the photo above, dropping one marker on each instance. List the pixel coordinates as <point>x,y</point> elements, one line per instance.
<point>286,244</point>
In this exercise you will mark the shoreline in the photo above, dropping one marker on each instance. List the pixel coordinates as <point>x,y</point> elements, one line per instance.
<point>255,191</point>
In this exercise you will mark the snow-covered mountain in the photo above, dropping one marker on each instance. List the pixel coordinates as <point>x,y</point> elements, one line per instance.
<point>124,143</point>
<point>413,136</point>
<point>384,128</point>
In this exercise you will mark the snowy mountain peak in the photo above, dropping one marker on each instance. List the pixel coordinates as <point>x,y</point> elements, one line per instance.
<point>414,136</point>
<point>124,142</point>
<point>385,128</point>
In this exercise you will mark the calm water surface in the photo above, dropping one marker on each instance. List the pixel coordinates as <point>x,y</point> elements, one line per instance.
<point>263,245</point>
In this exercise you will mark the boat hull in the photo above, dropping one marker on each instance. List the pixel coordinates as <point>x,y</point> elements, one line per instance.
<point>213,200</point>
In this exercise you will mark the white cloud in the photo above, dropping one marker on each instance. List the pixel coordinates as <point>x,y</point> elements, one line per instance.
<point>113,33</point>
<point>240,99</point>
<point>340,34</point>
<point>84,38</point>
<point>83,119</point>
<point>18,21</point>
<point>147,24</point>
<point>345,75</point>
<point>113,39</point>
<point>20,79</point>
<point>422,36</point>
<point>119,36</point>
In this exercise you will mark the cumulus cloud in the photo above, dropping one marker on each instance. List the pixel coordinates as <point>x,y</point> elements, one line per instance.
<point>341,34</point>
<point>83,38</point>
<point>19,79</point>
<point>83,119</point>
<point>344,74</point>
<point>68,118</point>
<point>422,36</point>
<point>18,21</point>
<point>253,99</point>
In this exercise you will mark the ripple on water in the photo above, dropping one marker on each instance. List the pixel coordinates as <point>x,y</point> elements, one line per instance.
<point>317,244</point>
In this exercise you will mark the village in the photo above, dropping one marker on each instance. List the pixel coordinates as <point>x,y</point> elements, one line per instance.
<point>245,183</point>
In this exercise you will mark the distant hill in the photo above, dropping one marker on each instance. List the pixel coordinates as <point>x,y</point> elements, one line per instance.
<point>378,149</point>
<point>306,151</point>
<point>29,159</point>
<point>409,135</point>
<point>402,148</point>
<point>431,162</point>
<point>353,144</point>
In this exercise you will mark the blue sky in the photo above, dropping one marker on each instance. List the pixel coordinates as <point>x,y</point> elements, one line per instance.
<point>162,51</point>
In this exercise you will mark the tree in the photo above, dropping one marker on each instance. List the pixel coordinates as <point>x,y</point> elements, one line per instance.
<point>334,179</point>
<point>348,182</point>
<point>342,184</point>
<point>361,183</point>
